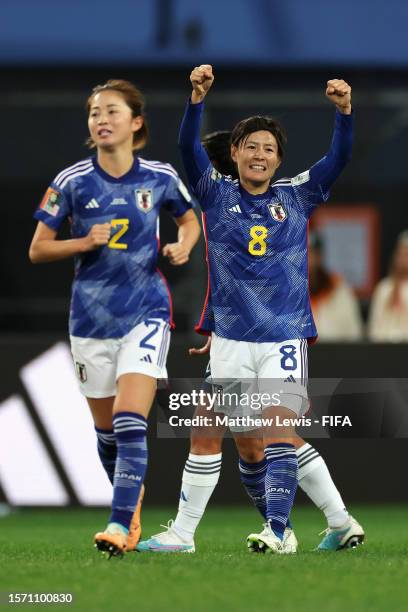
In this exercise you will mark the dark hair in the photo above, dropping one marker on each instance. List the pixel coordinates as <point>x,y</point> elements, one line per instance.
<point>256,123</point>
<point>218,147</point>
<point>134,100</point>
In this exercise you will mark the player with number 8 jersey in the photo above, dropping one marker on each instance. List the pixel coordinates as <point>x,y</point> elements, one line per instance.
<point>257,305</point>
<point>257,240</point>
<point>121,307</point>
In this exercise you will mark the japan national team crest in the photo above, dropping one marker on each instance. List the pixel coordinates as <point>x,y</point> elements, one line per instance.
<point>144,199</point>
<point>277,211</point>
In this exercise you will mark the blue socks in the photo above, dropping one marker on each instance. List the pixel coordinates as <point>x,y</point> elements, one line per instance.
<point>253,478</point>
<point>107,450</point>
<point>131,462</point>
<point>280,484</point>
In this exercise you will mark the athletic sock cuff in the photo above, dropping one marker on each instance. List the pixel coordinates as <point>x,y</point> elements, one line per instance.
<point>128,425</point>
<point>106,436</point>
<point>202,470</point>
<point>275,452</point>
<point>204,458</point>
<point>252,468</point>
<point>308,460</point>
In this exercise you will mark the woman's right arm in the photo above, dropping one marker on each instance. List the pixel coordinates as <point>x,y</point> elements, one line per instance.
<point>194,156</point>
<point>45,248</point>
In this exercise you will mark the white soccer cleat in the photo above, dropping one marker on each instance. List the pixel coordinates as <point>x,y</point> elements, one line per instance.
<point>267,542</point>
<point>290,543</point>
<point>166,542</point>
<point>349,535</point>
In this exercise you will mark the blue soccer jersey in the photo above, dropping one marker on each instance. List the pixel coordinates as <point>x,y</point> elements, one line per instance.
<point>118,285</point>
<point>257,244</point>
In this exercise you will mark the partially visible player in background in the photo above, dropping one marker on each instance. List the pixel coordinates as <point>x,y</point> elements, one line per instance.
<point>121,310</point>
<point>203,466</point>
<point>335,307</point>
<point>388,316</point>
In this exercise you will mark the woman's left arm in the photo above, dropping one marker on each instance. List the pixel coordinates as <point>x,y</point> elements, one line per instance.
<point>326,171</point>
<point>188,234</point>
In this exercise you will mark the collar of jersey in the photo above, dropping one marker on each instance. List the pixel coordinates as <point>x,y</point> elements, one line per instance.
<point>250,197</point>
<point>129,177</point>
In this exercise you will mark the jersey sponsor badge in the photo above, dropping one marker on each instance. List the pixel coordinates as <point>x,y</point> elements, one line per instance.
<point>277,211</point>
<point>81,371</point>
<point>300,178</point>
<point>50,202</point>
<point>144,199</point>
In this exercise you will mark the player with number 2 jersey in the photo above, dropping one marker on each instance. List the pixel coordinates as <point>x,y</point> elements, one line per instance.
<point>120,309</point>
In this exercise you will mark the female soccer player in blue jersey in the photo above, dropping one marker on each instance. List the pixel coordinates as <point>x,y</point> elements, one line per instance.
<point>202,468</point>
<point>256,234</point>
<point>120,309</point>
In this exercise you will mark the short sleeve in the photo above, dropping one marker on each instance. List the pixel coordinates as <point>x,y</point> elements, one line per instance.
<point>54,208</point>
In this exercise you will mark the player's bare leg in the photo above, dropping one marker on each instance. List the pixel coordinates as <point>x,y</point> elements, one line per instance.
<point>135,528</point>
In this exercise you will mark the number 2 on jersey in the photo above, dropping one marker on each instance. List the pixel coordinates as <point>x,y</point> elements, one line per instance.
<point>123,225</point>
<point>257,246</point>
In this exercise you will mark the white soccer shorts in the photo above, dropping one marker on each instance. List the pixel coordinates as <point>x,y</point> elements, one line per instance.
<point>261,374</point>
<point>99,363</point>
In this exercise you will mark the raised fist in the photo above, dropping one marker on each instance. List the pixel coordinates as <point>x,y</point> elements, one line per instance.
<point>201,80</point>
<point>339,92</point>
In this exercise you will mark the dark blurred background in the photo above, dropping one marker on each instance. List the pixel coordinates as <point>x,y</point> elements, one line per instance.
<point>269,57</point>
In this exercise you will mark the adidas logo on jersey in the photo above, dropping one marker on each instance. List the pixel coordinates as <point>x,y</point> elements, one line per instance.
<point>146,358</point>
<point>92,204</point>
<point>235,209</point>
<point>290,379</point>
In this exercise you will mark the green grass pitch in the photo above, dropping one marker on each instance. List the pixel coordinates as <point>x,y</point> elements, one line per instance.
<point>51,551</point>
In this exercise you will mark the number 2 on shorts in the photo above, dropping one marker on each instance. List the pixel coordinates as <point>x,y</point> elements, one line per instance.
<point>144,341</point>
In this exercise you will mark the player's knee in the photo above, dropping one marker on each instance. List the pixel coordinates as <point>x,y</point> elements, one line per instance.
<point>252,453</point>
<point>251,456</point>
<point>200,445</point>
<point>251,450</point>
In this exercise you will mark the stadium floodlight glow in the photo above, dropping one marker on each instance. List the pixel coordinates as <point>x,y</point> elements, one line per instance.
<point>27,474</point>
<point>51,384</point>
